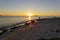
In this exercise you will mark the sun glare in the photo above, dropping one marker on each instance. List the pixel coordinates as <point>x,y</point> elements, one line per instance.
<point>30,16</point>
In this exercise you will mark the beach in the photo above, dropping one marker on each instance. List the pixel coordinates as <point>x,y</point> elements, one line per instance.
<point>47,28</point>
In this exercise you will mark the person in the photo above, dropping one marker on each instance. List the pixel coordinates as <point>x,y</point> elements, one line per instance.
<point>38,19</point>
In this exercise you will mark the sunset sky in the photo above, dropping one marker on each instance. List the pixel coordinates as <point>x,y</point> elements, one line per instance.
<point>36,7</point>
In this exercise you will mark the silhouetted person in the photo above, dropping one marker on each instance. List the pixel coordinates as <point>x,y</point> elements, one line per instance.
<point>38,19</point>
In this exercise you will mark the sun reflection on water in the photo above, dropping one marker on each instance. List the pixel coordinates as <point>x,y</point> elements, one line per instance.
<point>30,16</point>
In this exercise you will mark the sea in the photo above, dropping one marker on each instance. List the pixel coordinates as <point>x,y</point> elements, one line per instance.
<point>9,20</point>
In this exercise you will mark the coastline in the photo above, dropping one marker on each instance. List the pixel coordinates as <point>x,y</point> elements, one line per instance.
<point>47,22</point>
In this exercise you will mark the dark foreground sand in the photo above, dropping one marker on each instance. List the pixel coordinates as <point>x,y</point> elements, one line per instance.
<point>46,29</point>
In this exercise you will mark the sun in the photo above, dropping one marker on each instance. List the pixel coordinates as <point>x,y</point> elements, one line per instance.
<point>30,16</point>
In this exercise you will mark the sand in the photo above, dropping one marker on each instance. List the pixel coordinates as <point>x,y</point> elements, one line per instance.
<point>47,29</point>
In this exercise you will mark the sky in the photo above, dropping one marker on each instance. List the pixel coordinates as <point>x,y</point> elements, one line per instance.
<point>23,7</point>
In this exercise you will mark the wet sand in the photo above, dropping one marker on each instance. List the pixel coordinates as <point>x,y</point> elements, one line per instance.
<point>46,28</point>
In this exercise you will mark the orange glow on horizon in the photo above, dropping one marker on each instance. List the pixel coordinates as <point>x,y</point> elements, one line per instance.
<point>30,14</point>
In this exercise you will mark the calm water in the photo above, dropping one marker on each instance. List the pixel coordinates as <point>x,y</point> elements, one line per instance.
<point>6,21</point>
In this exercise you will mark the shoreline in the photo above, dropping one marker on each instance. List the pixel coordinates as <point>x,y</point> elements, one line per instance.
<point>39,20</point>
<point>29,20</point>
